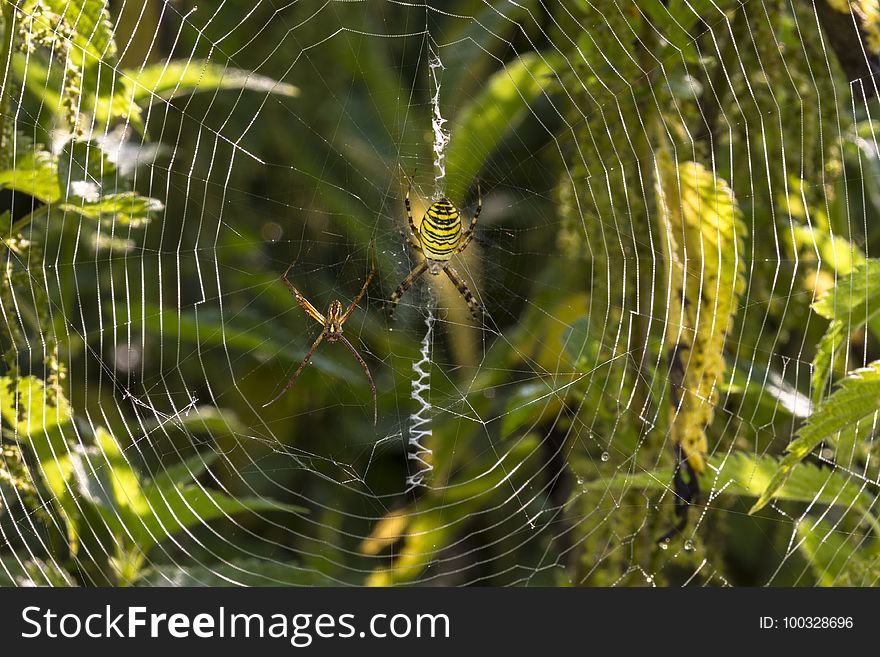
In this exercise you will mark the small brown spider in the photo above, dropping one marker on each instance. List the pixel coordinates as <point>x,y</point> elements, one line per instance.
<point>332,332</point>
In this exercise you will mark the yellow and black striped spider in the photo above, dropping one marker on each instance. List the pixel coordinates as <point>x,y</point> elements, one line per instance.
<point>438,238</point>
<point>332,332</point>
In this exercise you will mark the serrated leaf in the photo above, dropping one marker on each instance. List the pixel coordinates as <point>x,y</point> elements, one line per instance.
<point>828,352</point>
<point>35,173</point>
<point>855,299</point>
<point>855,400</point>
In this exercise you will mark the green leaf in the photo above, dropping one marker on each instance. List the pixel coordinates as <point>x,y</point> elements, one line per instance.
<point>528,403</point>
<point>766,388</point>
<point>174,79</point>
<point>35,173</point>
<point>746,476</point>
<point>171,509</point>
<point>186,471</point>
<point>27,405</point>
<point>857,398</point>
<point>481,125</point>
<point>675,20</point>
<point>78,182</point>
<point>216,422</point>
<point>124,208</point>
<point>834,554</point>
<point>33,572</point>
<point>828,352</point>
<point>90,21</point>
<point>206,329</point>
<point>128,493</point>
<point>85,172</point>
<point>139,510</point>
<point>426,530</point>
<point>854,299</point>
<point>241,572</point>
<point>479,45</point>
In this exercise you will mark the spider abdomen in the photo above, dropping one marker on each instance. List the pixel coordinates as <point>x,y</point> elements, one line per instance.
<point>440,231</point>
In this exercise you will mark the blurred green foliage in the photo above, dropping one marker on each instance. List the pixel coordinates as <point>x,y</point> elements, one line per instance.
<point>160,169</point>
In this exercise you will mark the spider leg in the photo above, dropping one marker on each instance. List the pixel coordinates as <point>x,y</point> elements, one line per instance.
<point>405,285</point>
<point>409,215</point>
<point>469,233</point>
<point>313,312</point>
<point>360,295</point>
<point>366,369</point>
<point>475,306</point>
<point>298,370</point>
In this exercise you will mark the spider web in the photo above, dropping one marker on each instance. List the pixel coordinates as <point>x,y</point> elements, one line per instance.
<point>534,448</point>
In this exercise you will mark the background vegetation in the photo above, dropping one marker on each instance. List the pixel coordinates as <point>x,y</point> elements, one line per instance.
<point>680,208</point>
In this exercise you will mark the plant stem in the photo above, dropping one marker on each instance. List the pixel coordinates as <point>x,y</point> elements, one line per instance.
<point>6,63</point>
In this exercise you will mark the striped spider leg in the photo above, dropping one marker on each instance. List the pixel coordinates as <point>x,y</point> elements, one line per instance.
<point>331,331</point>
<point>439,237</point>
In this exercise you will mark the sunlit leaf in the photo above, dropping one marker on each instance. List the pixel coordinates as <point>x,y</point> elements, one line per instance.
<point>386,532</point>
<point>123,208</point>
<point>424,534</point>
<point>173,79</point>
<point>90,21</point>
<point>35,173</point>
<point>701,232</point>
<point>854,299</point>
<point>829,351</point>
<point>30,407</point>
<point>480,126</point>
<point>856,400</point>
